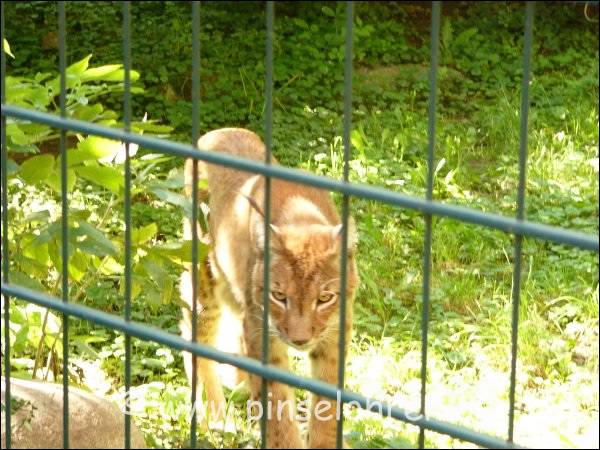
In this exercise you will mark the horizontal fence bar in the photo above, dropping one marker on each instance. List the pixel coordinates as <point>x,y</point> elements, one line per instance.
<point>491,220</point>
<point>146,332</point>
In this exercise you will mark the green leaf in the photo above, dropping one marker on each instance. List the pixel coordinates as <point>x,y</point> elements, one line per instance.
<point>17,135</point>
<point>173,182</point>
<point>35,132</point>
<point>328,11</point>
<point>85,349</point>
<point>54,180</point>
<point>74,73</point>
<point>7,49</point>
<point>37,168</point>
<point>99,73</point>
<point>357,141</point>
<point>41,77</point>
<point>107,177</point>
<point>47,234</point>
<point>142,235</point>
<point>156,272</point>
<point>89,113</point>
<point>92,148</point>
<point>175,199</point>
<point>21,279</point>
<point>12,167</point>
<point>96,242</point>
<point>111,267</point>
<point>167,291</point>
<point>34,261</point>
<point>119,75</point>
<point>79,67</point>
<point>301,23</point>
<point>78,265</point>
<point>181,251</point>
<point>153,298</point>
<point>151,127</point>
<point>54,251</point>
<point>138,283</point>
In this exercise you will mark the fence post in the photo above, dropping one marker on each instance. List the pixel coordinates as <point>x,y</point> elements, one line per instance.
<point>5,278</point>
<point>127,212</point>
<point>195,136</point>
<point>516,285</point>
<point>435,33</point>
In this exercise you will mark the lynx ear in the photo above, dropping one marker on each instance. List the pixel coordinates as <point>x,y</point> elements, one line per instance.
<point>336,233</point>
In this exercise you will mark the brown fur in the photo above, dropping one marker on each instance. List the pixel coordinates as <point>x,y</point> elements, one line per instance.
<point>305,264</point>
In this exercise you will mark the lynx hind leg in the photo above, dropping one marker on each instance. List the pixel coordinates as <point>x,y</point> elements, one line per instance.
<point>209,313</point>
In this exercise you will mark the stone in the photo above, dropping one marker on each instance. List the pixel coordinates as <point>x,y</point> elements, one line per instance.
<point>36,421</point>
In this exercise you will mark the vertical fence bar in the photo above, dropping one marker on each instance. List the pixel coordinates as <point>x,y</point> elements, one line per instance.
<point>267,212</point>
<point>195,133</point>
<point>7,401</point>
<point>435,32</point>
<point>62,57</point>
<point>345,214</point>
<point>516,288</point>
<point>127,213</point>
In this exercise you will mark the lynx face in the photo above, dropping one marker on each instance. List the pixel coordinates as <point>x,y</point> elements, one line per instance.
<point>304,288</point>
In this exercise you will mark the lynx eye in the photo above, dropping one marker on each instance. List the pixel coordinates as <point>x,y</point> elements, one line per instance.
<point>279,297</point>
<point>326,296</point>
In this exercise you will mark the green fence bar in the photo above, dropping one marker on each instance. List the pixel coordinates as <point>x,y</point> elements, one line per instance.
<point>584,241</point>
<point>5,270</point>
<point>516,285</point>
<point>62,57</point>
<point>146,332</point>
<point>345,213</point>
<point>267,214</point>
<point>435,33</point>
<point>195,136</point>
<point>127,212</point>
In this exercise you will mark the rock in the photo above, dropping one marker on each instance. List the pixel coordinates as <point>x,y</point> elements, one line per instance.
<point>37,411</point>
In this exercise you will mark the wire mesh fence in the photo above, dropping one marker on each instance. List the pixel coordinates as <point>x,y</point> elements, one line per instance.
<point>517,226</point>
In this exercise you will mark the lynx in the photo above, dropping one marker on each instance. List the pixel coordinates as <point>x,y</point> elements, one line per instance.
<point>305,245</point>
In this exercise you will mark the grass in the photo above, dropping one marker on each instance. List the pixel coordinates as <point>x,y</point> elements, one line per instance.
<point>476,166</point>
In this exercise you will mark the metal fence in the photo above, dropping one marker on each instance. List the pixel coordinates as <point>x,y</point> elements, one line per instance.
<point>517,226</point>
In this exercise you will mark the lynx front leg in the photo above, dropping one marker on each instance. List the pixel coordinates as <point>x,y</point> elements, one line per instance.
<point>209,312</point>
<point>324,358</point>
<point>282,429</point>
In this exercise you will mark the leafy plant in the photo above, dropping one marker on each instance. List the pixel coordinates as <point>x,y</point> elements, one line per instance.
<point>95,250</point>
